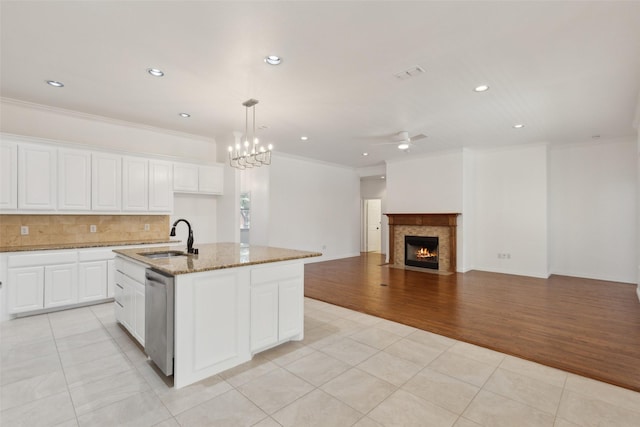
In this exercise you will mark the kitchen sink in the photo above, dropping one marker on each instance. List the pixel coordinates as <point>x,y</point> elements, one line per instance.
<point>164,254</point>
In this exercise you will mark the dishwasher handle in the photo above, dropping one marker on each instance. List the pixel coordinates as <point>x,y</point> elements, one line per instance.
<point>157,278</point>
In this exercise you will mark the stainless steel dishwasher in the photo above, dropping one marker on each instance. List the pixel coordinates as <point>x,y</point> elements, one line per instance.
<point>158,329</point>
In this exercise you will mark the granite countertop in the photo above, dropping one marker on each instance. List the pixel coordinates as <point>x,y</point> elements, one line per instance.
<point>83,245</point>
<point>214,256</point>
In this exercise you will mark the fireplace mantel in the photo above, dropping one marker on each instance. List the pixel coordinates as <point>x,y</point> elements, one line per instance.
<point>448,220</point>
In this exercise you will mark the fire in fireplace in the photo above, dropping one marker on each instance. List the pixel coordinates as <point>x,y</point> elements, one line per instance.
<point>420,251</point>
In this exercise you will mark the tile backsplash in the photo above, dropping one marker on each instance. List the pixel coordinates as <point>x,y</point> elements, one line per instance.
<point>63,229</point>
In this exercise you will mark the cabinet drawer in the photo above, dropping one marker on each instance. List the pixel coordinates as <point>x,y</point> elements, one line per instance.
<point>132,269</point>
<point>96,255</point>
<point>37,260</point>
<point>119,310</point>
<point>119,290</point>
<point>274,274</point>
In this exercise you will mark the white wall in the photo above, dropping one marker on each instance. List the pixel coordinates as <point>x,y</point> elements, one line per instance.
<point>313,206</point>
<point>200,211</point>
<point>430,184</point>
<point>511,210</point>
<point>99,132</point>
<point>257,182</point>
<point>638,205</point>
<point>228,208</point>
<point>592,198</point>
<point>375,188</point>
<point>467,221</point>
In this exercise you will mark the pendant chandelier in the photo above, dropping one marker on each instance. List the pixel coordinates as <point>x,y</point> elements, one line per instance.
<point>250,154</point>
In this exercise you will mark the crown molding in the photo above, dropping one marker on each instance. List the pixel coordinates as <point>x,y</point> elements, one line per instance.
<point>309,160</point>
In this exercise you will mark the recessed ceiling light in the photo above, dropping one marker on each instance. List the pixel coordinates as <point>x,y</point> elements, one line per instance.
<point>304,138</point>
<point>272,60</point>
<point>403,146</point>
<point>382,177</point>
<point>184,115</point>
<point>55,83</point>
<point>481,88</point>
<point>365,154</point>
<point>518,126</point>
<point>155,72</point>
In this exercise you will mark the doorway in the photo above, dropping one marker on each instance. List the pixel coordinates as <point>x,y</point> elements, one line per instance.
<point>372,225</point>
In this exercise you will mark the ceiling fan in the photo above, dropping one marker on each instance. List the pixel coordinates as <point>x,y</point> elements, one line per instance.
<point>403,140</point>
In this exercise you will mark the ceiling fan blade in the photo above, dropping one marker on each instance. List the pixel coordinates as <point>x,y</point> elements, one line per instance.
<point>418,137</point>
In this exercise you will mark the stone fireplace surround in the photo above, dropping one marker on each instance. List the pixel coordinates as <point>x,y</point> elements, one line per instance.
<point>442,225</point>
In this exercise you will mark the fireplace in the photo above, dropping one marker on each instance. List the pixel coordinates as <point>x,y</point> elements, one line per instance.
<point>421,251</point>
<point>438,225</point>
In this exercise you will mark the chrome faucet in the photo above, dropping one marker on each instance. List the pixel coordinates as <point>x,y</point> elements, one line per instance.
<point>189,240</point>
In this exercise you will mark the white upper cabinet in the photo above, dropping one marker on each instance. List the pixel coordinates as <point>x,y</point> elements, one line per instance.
<point>191,178</point>
<point>135,184</point>
<point>106,182</point>
<point>53,177</point>
<point>185,178</point>
<point>8,175</point>
<point>210,179</point>
<point>74,180</point>
<point>36,177</point>
<point>160,186</point>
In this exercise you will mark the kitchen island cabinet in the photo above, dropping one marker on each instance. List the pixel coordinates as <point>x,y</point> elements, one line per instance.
<point>230,302</point>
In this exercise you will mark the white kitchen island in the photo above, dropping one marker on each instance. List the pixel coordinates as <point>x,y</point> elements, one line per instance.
<point>231,302</point>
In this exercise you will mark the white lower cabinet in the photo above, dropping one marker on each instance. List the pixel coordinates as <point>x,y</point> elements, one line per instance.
<point>120,300</point>
<point>60,285</point>
<point>129,296</point>
<point>54,279</point>
<point>277,305</point>
<point>138,311</point>
<point>93,281</point>
<point>264,315</point>
<point>290,309</point>
<point>111,278</point>
<point>25,289</point>
<point>224,317</point>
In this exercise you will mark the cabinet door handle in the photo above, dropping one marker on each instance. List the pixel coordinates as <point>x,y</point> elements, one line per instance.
<point>119,285</point>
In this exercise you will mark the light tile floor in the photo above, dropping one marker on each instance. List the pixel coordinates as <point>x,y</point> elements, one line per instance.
<point>79,367</point>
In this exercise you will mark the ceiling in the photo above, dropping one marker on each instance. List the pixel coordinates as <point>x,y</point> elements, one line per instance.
<point>566,70</point>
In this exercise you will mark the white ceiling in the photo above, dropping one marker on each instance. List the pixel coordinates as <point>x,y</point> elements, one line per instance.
<point>567,70</point>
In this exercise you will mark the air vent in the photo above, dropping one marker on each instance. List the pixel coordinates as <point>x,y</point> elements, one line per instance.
<point>411,72</point>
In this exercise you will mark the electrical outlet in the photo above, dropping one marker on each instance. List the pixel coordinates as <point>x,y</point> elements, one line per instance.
<point>93,228</point>
<point>24,230</point>
<point>508,256</point>
<point>147,227</point>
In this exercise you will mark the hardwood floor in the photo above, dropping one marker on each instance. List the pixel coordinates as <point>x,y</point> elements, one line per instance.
<point>588,327</point>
